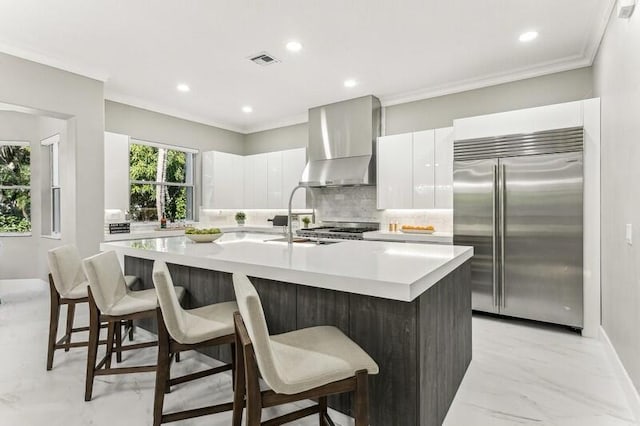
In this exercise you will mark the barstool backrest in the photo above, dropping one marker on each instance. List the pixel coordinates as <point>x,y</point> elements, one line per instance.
<point>254,320</point>
<point>65,266</point>
<point>106,279</point>
<point>172,312</point>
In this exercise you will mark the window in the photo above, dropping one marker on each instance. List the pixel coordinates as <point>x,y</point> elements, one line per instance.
<point>51,186</point>
<point>15,187</point>
<point>161,182</point>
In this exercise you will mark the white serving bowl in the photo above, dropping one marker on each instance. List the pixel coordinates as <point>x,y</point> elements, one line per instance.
<point>203,238</point>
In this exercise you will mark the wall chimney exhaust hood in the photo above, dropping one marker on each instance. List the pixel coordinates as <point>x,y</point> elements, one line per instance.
<point>342,140</point>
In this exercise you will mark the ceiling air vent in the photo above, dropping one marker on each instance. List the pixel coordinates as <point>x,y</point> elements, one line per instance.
<point>263,58</point>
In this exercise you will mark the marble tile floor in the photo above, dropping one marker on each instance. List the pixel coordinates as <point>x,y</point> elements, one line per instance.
<point>522,374</point>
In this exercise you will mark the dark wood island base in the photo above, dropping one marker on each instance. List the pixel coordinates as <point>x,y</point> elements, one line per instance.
<point>423,347</point>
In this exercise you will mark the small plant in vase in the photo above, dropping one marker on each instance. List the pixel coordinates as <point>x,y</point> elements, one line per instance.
<point>306,221</point>
<point>240,218</point>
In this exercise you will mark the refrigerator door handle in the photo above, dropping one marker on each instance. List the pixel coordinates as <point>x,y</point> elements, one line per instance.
<point>503,195</point>
<point>494,272</point>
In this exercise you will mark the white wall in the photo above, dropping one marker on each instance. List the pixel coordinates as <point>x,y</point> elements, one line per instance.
<point>80,101</point>
<point>617,83</point>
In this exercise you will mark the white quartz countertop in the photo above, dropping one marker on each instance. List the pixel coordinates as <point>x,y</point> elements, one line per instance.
<point>436,237</point>
<point>146,232</point>
<point>375,268</point>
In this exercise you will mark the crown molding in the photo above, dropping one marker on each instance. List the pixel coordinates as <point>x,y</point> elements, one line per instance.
<point>173,112</point>
<point>43,59</point>
<point>275,124</point>
<point>552,67</point>
<point>592,46</point>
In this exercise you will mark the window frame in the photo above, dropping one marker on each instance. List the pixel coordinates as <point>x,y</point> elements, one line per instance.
<point>53,142</point>
<point>190,174</point>
<point>19,187</point>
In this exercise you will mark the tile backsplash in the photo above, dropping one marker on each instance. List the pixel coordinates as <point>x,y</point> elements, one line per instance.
<point>358,203</point>
<point>349,204</point>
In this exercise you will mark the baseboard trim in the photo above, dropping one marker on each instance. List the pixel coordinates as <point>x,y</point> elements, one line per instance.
<point>630,391</point>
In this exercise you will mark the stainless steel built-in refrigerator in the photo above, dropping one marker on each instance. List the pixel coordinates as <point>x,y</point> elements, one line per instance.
<point>518,202</point>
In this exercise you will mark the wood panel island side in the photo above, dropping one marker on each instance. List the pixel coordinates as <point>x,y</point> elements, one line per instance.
<point>407,305</point>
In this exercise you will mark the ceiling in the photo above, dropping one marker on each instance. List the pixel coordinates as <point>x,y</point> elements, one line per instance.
<point>397,50</point>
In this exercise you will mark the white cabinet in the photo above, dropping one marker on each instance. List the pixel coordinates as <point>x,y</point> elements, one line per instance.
<point>528,120</point>
<point>258,181</point>
<point>255,181</point>
<point>415,170</point>
<point>293,162</point>
<point>423,169</point>
<point>394,170</point>
<point>274,180</point>
<point>222,180</point>
<point>443,140</point>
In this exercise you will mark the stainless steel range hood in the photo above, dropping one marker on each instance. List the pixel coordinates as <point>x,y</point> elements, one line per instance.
<point>342,140</point>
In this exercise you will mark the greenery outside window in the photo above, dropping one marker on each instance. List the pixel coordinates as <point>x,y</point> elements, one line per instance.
<point>15,187</point>
<point>160,182</point>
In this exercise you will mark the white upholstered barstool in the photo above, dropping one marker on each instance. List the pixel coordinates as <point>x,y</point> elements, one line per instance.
<point>68,286</point>
<point>181,330</point>
<point>111,301</point>
<point>309,363</point>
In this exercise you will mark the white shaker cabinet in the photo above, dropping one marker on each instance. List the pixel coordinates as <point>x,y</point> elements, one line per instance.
<point>415,170</point>
<point>423,170</point>
<point>395,171</point>
<point>443,139</point>
<point>293,162</point>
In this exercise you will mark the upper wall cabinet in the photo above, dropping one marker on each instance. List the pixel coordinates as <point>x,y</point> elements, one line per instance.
<point>394,170</point>
<point>293,162</point>
<point>222,180</point>
<point>560,116</point>
<point>258,181</point>
<point>415,170</point>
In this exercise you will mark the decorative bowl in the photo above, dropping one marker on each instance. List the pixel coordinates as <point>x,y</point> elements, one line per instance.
<point>203,238</point>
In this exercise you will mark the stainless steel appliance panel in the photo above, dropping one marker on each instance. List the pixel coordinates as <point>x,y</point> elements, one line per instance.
<point>540,235</point>
<point>474,222</point>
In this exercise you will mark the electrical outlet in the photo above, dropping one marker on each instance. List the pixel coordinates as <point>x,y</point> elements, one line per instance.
<point>629,234</point>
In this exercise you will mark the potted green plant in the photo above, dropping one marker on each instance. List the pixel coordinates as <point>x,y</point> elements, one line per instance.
<point>306,221</point>
<point>240,218</point>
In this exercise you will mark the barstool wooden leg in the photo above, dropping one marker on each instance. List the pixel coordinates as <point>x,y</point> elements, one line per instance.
<point>254,398</point>
<point>71,310</point>
<point>162,372</point>
<point>362,398</point>
<point>54,317</point>
<point>130,326</point>
<point>239,379</point>
<point>111,326</point>
<point>119,341</point>
<point>322,410</point>
<point>94,336</point>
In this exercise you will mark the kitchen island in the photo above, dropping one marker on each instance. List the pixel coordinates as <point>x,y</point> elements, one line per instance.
<point>407,305</point>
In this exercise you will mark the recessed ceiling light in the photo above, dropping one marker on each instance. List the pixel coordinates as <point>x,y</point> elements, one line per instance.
<point>294,46</point>
<point>183,87</point>
<point>350,83</point>
<point>247,109</point>
<point>528,36</point>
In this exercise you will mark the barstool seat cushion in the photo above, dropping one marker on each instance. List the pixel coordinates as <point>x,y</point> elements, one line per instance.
<point>80,291</point>
<point>316,356</point>
<point>138,301</point>
<point>207,322</point>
